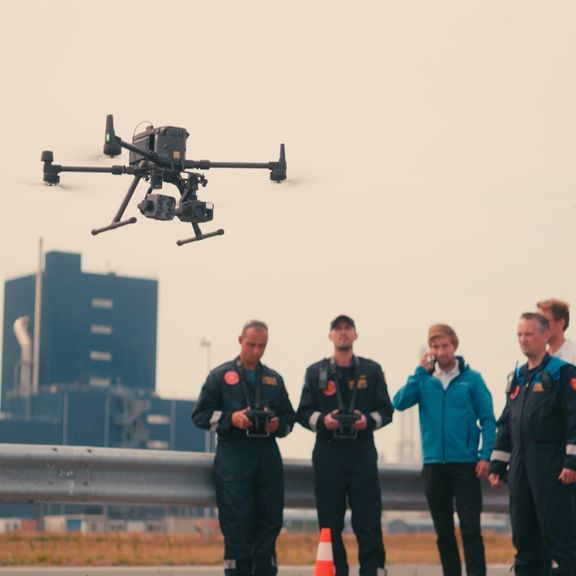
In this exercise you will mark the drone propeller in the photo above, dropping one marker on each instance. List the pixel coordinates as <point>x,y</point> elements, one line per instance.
<point>61,186</point>
<point>92,158</point>
<point>296,181</point>
<point>64,187</point>
<point>36,184</point>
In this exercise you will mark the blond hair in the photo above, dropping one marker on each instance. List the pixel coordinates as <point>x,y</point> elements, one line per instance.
<point>437,330</point>
<point>559,309</point>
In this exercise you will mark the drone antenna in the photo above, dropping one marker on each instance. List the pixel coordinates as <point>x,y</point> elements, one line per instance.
<point>112,146</point>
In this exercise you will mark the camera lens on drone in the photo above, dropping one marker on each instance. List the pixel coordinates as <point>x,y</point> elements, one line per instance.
<point>199,212</point>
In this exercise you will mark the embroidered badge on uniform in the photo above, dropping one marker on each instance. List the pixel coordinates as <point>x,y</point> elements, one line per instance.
<point>270,380</point>
<point>362,382</point>
<point>330,389</point>
<point>514,393</point>
<point>538,387</point>
<point>231,377</point>
<point>573,384</point>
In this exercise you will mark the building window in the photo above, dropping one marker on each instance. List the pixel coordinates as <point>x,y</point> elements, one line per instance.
<point>157,419</point>
<point>101,329</point>
<point>100,356</point>
<point>100,382</point>
<point>102,303</point>
<point>157,445</point>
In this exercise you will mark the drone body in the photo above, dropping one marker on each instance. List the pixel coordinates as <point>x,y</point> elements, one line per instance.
<point>158,156</point>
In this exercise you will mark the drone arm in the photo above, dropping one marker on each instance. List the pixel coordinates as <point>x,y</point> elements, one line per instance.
<point>51,170</point>
<point>277,169</point>
<point>207,164</point>
<point>145,154</point>
<point>109,170</point>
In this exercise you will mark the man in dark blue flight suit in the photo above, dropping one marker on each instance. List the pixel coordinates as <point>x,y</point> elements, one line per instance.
<point>344,400</point>
<point>536,448</point>
<point>247,405</point>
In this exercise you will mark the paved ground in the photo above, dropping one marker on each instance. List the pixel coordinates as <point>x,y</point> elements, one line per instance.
<point>398,570</point>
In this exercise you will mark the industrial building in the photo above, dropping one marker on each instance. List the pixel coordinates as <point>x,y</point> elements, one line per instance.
<point>94,330</point>
<point>79,363</point>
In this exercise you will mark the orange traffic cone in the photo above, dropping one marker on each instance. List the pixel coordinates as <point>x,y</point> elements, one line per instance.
<point>324,560</point>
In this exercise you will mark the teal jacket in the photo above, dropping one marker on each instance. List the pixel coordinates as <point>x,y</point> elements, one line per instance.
<point>452,420</point>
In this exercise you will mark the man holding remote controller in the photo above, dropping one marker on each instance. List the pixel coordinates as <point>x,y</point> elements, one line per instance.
<point>247,405</point>
<point>344,400</point>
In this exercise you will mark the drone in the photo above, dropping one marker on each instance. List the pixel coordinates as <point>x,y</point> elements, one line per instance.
<point>158,156</point>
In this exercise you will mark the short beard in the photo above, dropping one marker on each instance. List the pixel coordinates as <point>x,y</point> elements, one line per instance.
<point>344,347</point>
<point>444,365</point>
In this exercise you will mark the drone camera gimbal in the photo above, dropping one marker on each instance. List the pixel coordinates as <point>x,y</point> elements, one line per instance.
<point>158,156</point>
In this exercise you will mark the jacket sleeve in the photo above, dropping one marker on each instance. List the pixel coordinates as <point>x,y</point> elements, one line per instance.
<point>482,400</point>
<point>502,445</point>
<point>569,390</point>
<point>309,413</point>
<point>409,394</point>
<point>286,414</point>
<point>208,413</point>
<point>383,409</point>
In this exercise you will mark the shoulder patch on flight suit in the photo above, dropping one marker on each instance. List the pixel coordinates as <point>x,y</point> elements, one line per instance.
<point>538,387</point>
<point>573,384</point>
<point>231,377</point>
<point>270,380</point>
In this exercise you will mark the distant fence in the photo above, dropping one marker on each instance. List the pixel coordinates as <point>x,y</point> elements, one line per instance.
<point>76,474</point>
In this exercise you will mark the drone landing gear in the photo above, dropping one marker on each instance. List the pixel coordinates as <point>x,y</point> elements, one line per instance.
<point>116,221</point>
<point>113,226</point>
<point>199,235</point>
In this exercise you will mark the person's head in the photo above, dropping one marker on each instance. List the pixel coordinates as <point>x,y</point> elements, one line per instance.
<point>533,335</point>
<point>443,344</point>
<point>557,312</point>
<point>253,340</point>
<point>343,333</point>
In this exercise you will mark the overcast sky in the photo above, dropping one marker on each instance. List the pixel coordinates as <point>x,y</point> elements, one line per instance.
<point>431,162</point>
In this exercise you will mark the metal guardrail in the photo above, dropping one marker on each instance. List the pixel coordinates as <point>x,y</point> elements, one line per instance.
<point>77,474</point>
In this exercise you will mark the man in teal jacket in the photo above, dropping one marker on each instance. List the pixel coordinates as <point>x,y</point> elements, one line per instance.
<point>455,412</point>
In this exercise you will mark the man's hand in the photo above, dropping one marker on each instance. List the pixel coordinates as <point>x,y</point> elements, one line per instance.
<point>362,423</point>
<point>427,361</point>
<point>567,476</point>
<point>482,467</point>
<point>495,480</point>
<point>329,422</point>
<point>272,425</point>
<point>240,420</point>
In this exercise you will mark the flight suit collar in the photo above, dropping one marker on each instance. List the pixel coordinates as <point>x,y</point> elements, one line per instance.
<point>527,374</point>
